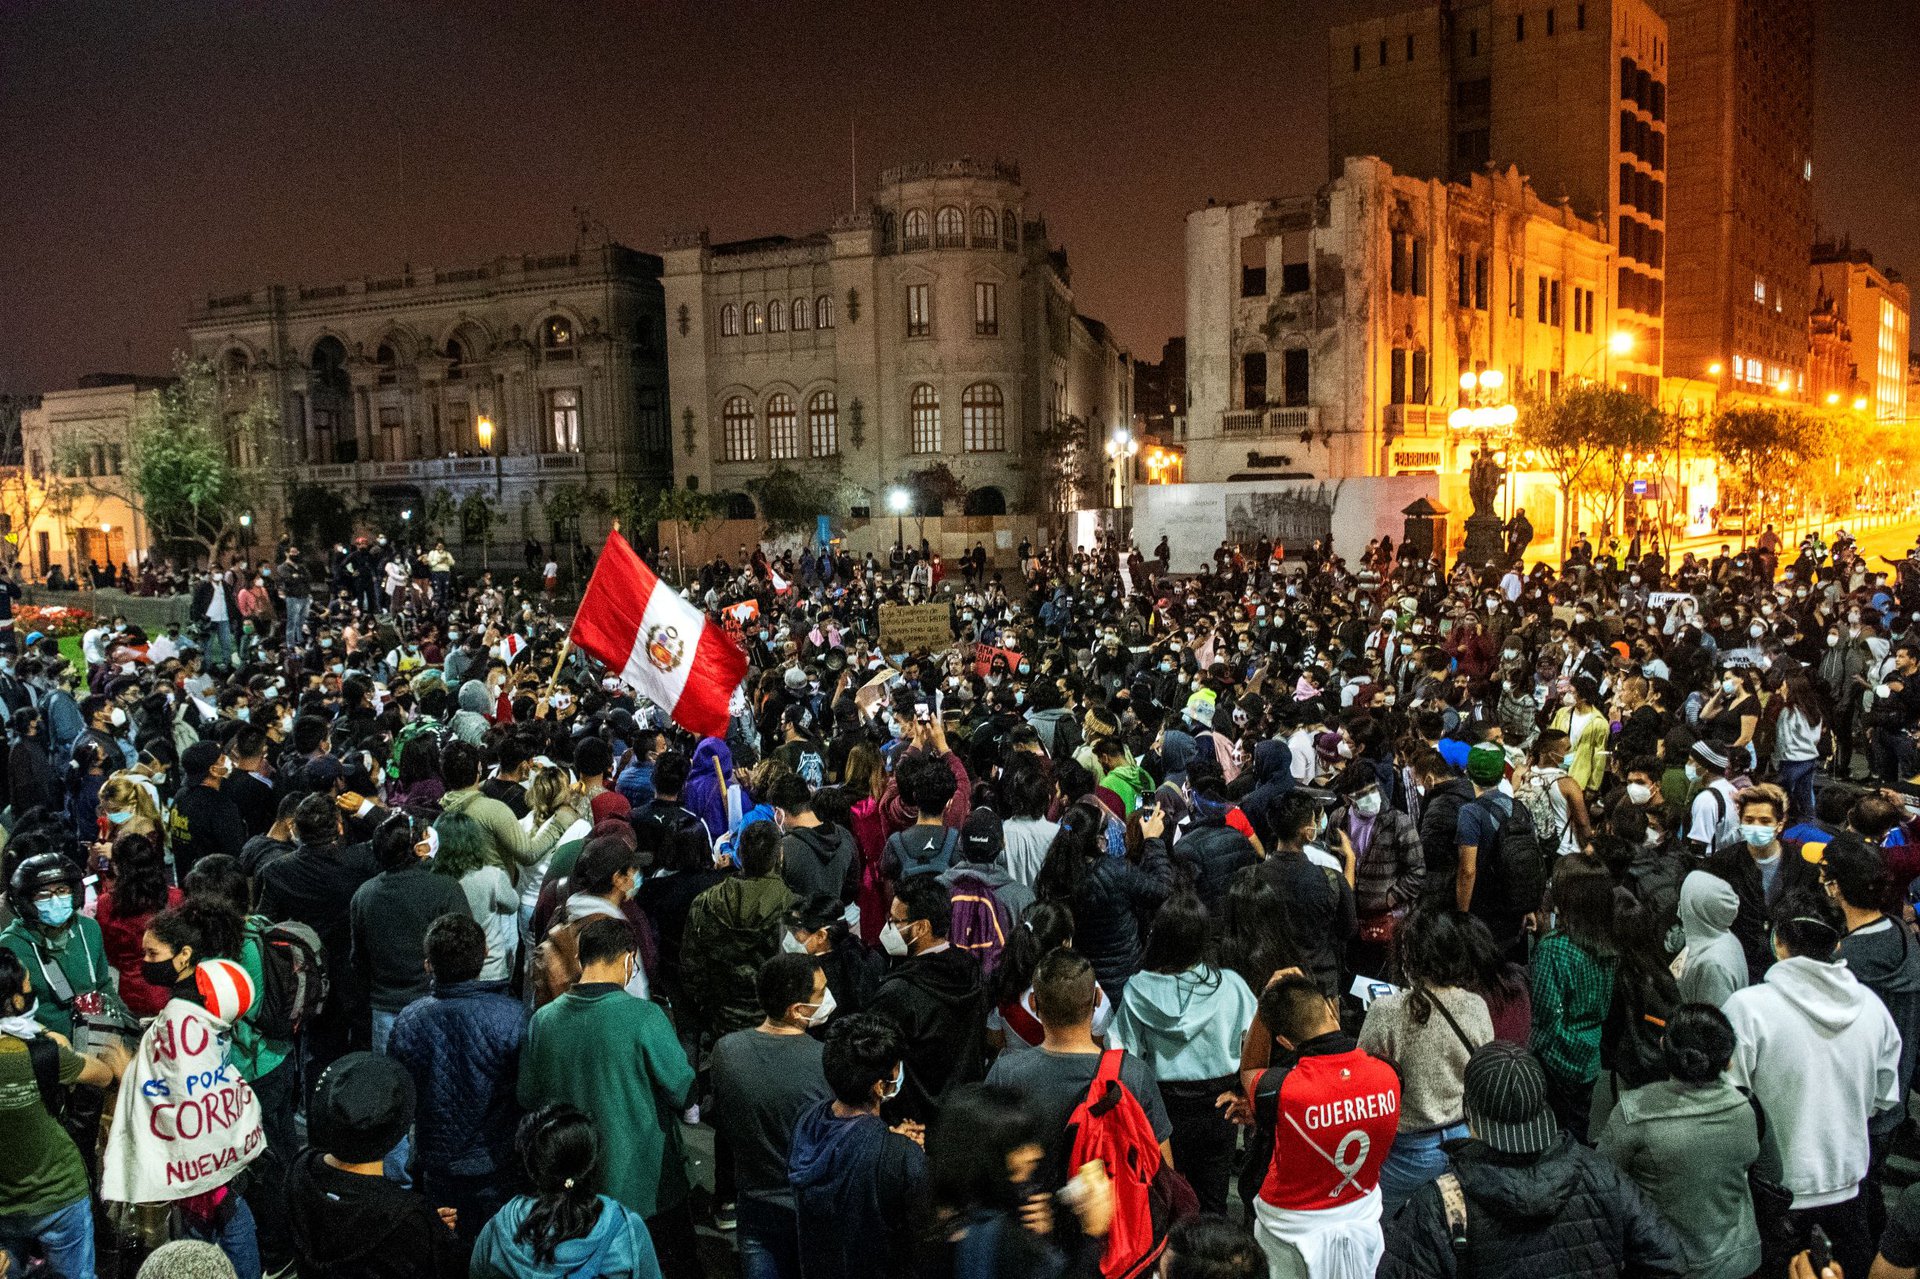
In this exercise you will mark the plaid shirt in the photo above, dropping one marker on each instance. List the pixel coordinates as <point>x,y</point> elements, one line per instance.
<point>1390,870</point>
<point>1572,991</point>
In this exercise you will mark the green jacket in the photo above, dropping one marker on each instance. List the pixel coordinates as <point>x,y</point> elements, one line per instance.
<point>512,846</point>
<point>253,1052</point>
<point>80,952</point>
<point>732,929</point>
<point>1689,1147</point>
<point>617,1058</point>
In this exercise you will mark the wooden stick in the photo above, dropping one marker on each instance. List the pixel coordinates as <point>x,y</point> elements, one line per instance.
<point>554,678</point>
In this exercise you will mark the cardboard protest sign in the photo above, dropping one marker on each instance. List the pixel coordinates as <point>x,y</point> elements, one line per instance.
<point>983,655</point>
<point>906,627</point>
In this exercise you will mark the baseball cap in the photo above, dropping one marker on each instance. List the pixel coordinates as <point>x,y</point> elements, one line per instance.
<point>1486,764</point>
<point>982,836</point>
<point>796,678</point>
<point>1506,1098</point>
<point>361,1108</point>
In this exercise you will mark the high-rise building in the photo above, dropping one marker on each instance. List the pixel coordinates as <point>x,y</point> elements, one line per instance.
<point>1573,94</point>
<point>1740,212</point>
<point>1874,310</point>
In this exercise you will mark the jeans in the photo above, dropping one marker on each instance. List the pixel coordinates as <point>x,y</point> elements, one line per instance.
<point>266,1191</point>
<point>1203,1137</point>
<point>65,1235</point>
<point>395,1164</point>
<point>1415,1160</point>
<point>1796,778</point>
<point>236,1238</point>
<point>219,643</point>
<point>768,1236</point>
<point>1846,1225</point>
<point>296,618</point>
<point>677,1245</point>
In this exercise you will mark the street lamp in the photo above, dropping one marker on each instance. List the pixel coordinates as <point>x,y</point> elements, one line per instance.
<point>484,430</point>
<point>1860,404</point>
<point>1714,369</point>
<point>246,519</point>
<point>1620,342</point>
<point>1482,408</point>
<point>898,499</point>
<point>1120,451</point>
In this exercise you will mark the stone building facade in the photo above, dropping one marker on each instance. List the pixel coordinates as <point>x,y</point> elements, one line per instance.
<point>1741,213</point>
<point>82,516</point>
<point>1573,94</point>
<point>516,379</point>
<point>1875,312</point>
<point>1326,334</point>
<point>936,326</point>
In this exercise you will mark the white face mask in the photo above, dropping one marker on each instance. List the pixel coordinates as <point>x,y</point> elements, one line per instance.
<point>822,1010</point>
<point>1368,805</point>
<point>892,942</point>
<point>1639,793</point>
<point>792,945</point>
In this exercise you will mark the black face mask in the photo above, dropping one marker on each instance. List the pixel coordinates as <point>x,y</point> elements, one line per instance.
<point>158,973</point>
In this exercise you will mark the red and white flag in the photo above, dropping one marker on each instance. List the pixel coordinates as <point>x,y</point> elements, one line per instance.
<point>510,648</point>
<point>658,644</point>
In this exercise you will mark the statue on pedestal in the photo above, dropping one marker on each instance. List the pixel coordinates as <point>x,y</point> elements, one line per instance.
<point>1483,482</point>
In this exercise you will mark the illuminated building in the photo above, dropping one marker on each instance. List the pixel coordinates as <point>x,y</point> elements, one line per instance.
<point>1874,309</point>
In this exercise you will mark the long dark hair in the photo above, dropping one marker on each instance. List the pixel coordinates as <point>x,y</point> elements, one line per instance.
<point>213,931</point>
<point>1072,853</point>
<point>1045,927</point>
<point>1256,939</point>
<point>560,1151</point>
<point>139,877</point>
<point>967,1148</point>
<point>1582,895</point>
<point>1180,937</point>
<point>1433,949</point>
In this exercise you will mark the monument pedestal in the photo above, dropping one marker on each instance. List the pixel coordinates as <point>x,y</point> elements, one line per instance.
<point>1484,542</point>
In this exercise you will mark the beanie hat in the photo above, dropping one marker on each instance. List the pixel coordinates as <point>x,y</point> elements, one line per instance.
<point>1506,1099</point>
<point>1486,764</point>
<point>361,1108</point>
<point>224,987</point>
<point>609,804</point>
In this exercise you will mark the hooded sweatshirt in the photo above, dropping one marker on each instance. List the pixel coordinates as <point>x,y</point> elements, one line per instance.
<point>939,1001</point>
<point>349,1226</point>
<point>1712,966</point>
<point>618,1247</point>
<point>1013,895</point>
<point>858,1190</point>
<point>1823,1056</point>
<point>469,723</point>
<point>703,795</point>
<point>1187,1025</point>
<point>817,859</point>
<point>1886,959</point>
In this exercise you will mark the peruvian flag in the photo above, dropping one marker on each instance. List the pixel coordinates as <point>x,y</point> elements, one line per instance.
<point>660,646</point>
<point>510,648</point>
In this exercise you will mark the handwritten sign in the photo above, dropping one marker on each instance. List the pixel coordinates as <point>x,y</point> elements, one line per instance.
<point>983,655</point>
<point>186,1120</point>
<point>906,627</point>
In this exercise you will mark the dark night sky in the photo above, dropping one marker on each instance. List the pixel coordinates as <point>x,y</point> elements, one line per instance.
<point>151,153</point>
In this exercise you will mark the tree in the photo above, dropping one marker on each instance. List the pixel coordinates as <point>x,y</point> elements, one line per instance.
<point>439,511</point>
<point>933,487</point>
<point>791,500</point>
<point>1069,464</point>
<point>1581,436</point>
<point>22,499</point>
<point>318,515</point>
<point>191,452</point>
<point>1769,447</point>
<point>478,513</point>
<point>685,508</point>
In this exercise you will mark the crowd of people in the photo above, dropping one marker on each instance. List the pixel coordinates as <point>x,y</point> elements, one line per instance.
<point>1295,916</point>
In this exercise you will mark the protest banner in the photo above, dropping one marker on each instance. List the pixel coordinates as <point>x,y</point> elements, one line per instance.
<point>906,627</point>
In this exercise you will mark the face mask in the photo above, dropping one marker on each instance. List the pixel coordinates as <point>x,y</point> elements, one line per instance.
<point>54,912</point>
<point>1639,793</point>
<point>1729,686</point>
<point>1566,762</point>
<point>242,713</point>
<point>120,819</point>
<point>1652,838</point>
<point>1693,772</point>
<point>1757,836</point>
<point>891,941</point>
<point>1344,750</point>
<point>327,643</point>
<point>822,1010</point>
<point>1832,640</point>
<point>1756,630</point>
<point>898,1082</point>
<point>792,944</point>
<point>158,972</point>
<point>1368,805</point>
<point>118,718</point>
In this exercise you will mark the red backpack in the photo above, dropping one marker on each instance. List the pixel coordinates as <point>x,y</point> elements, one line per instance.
<point>1148,1196</point>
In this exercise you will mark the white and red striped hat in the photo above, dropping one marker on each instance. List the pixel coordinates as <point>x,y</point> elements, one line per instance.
<point>224,987</point>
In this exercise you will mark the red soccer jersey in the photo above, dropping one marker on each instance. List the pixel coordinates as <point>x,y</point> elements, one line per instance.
<point>1336,1119</point>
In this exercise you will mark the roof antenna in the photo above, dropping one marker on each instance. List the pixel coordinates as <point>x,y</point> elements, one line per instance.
<point>853,173</point>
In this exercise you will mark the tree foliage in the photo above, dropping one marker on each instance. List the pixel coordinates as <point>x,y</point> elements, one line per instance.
<point>791,500</point>
<point>318,515</point>
<point>1767,446</point>
<point>932,487</point>
<point>1584,437</point>
<point>191,453</point>
<point>659,505</point>
<point>1069,463</point>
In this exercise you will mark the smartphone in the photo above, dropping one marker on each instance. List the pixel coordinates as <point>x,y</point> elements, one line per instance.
<point>1819,1250</point>
<point>922,712</point>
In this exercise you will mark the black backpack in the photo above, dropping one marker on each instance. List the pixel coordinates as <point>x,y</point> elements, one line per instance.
<point>1515,867</point>
<point>293,978</point>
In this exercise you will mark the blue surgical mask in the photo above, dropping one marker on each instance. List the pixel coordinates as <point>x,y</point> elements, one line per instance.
<point>1757,836</point>
<point>1566,761</point>
<point>899,1081</point>
<point>54,912</point>
<point>121,818</point>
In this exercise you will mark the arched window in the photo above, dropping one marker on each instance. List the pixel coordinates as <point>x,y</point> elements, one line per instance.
<point>756,322</point>
<point>736,423</point>
<point>802,310</point>
<point>913,229</point>
<point>783,428</point>
<point>823,424</point>
<point>556,338</point>
<point>1009,230</point>
<point>888,228</point>
<point>776,316</point>
<point>235,364</point>
<point>456,356</point>
<point>950,227</point>
<point>986,227</point>
<point>823,312</point>
<point>986,501</point>
<point>385,363</point>
<point>925,413</point>
<point>983,418</point>
<point>729,321</point>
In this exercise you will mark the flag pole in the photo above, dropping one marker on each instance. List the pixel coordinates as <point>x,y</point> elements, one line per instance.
<point>566,647</point>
